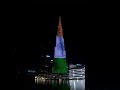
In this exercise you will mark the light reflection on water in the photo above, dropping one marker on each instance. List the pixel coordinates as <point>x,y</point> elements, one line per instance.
<point>62,84</point>
<point>77,84</point>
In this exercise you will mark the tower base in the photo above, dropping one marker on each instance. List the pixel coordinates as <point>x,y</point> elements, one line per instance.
<point>60,66</point>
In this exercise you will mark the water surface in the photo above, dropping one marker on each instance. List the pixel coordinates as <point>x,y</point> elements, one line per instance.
<point>60,84</point>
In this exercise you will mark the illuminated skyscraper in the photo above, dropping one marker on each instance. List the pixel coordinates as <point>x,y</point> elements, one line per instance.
<point>60,65</point>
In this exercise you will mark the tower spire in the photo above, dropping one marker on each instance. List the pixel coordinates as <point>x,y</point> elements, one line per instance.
<point>60,31</point>
<point>59,20</point>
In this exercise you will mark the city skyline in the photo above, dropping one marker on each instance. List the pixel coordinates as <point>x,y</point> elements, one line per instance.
<point>92,41</point>
<point>32,44</point>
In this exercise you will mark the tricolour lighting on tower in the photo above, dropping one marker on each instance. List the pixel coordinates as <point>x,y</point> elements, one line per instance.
<point>60,65</point>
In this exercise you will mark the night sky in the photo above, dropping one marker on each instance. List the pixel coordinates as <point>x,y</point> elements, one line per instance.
<point>85,38</point>
<point>32,33</point>
<point>44,29</point>
<point>59,2</point>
